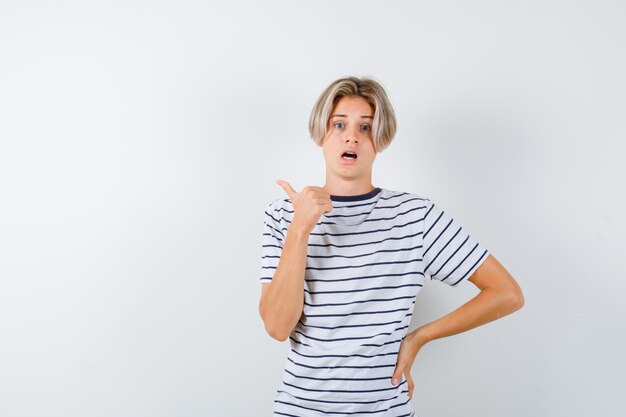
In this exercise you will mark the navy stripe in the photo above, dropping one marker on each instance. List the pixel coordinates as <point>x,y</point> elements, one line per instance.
<point>352,291</point>
<point>387,378</point>
<point>370,300</point>
<point>343,356</point>
<point>371,242</point>
<point>347,402</point>
<point>353,326</point>
<point>362,277</point>
<point>363,265</point>
<point>358,312</point>
<point>357,197</point>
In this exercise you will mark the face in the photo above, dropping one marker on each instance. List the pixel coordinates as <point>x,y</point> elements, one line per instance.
<point>350,129</point>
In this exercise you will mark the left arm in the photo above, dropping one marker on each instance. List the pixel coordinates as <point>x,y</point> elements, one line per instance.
<point>499,296</point>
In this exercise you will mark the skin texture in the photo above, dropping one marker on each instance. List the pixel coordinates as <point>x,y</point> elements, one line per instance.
<point>499,295</point>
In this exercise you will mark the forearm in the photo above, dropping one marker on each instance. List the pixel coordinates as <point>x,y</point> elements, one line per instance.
<point>488,305</point>
<point>282,307</point>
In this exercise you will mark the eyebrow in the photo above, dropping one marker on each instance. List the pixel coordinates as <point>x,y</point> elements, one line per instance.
<point>345,115</point>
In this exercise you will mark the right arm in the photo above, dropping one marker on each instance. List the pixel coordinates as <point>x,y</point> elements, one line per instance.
<point>282,300</point>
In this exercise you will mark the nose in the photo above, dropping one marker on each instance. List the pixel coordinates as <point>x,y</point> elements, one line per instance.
<point>352,134</point>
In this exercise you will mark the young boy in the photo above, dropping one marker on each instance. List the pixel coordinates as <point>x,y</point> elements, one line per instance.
<point>342,265</point>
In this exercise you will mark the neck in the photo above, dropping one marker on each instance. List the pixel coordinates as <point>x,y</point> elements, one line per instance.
<point>348,187</point>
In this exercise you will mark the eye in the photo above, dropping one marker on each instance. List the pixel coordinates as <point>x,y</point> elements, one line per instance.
<point>367,126</point>
<point>338,123</point>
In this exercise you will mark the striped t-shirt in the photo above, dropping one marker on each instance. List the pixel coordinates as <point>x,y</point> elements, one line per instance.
<point>366,261</point>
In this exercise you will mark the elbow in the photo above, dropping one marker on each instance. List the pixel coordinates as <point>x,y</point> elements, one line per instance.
<point>281,338</point>
<point>277,335</point>
<point>518,297</point>
<point>271,330</point>
<point>514,299</point>
<point>519,300</point>
<point>277,329</point>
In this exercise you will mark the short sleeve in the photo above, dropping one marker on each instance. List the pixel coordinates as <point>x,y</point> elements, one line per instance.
<point>450,254</point>
<point>272,241</point>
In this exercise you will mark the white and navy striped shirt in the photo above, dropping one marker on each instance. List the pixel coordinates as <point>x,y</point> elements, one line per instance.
<point>366,261</point>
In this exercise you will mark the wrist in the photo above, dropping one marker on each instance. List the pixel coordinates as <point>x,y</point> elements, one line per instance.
<point>421,336</point>
<point>296,229</point>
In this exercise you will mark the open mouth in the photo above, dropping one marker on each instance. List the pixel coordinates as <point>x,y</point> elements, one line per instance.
<point>350,156</point>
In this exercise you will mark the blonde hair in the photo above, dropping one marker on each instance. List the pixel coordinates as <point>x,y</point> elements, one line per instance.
<point>384,123</point>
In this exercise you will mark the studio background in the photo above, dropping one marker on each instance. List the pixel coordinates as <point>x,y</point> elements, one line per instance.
<point>140,143</point>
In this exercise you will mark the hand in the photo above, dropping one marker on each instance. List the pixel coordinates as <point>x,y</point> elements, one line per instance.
<point>309,204</point>
<point>410,345</point>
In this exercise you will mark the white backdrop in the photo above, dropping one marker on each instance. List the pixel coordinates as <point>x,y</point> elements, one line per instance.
<point>140,143</point>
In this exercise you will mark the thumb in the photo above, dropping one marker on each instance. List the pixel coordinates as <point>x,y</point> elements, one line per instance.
<point>397,375</point>
<point>287,187</point>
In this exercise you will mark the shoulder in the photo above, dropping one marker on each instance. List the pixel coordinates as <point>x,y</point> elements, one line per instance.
<point>406,196</point>
<point>280,203</point>
<point>277,208</point>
